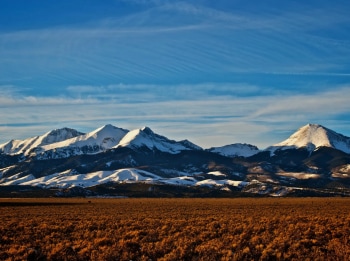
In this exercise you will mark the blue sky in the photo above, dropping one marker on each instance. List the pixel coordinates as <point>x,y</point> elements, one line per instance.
<point>214,72</point>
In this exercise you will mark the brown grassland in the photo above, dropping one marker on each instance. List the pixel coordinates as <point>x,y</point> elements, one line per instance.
<point>175,229</point>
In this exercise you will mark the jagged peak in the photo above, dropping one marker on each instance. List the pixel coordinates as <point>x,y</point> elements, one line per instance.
<point>56,132</point>
<point>145,137</point>
<point>147,130</point>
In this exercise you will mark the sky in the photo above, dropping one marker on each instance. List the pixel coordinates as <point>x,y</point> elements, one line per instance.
<point>214,72</point>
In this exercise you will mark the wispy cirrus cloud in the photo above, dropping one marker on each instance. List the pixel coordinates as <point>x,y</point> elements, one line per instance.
<point>327,103</point>
<point>177,42</point>
<point>205,118</point>
<point>151,92</point>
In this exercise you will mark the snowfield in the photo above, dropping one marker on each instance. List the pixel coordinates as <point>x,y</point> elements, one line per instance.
<point>217,173</point>
<point>69,179</point>
<point>16,180</point>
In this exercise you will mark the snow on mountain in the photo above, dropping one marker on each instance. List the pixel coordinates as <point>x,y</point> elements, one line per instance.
<point>236,150</point>
<point>25,146</point>
<point>211,182</point>
<point>66,142</point>
<point>69,179</point>
<point>313,136</point>
<point>145,137</point>
<point>16,180</point>
<point>96,141</point>
<point>217,173</point>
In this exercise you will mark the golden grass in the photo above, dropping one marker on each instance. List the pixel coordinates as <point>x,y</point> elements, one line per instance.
<point>175,229</point>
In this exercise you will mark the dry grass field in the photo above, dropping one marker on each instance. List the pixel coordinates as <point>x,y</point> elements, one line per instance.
<point>175,229</point>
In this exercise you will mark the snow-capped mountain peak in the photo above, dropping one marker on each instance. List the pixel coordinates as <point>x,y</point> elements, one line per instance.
<point>145,137</point>
<point>59,135</point>
<point>25,146</point>
<point>95,141</point>
<point>106,132</point>
<point>236,150</point>
<point>313,136</point>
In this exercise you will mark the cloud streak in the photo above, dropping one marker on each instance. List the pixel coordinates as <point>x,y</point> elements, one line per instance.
<point>204,118</point>
<point>174,43</point>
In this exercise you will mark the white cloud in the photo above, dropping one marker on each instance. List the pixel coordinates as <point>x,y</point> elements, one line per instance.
<point>153,92</point>
<point>326,103</point>
<point>207,119</point>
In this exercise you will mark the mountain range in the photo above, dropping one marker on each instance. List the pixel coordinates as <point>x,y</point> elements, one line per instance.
<point>113,161</point>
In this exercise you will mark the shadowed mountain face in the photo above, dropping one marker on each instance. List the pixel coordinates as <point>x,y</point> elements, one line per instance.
<point>309,160</point>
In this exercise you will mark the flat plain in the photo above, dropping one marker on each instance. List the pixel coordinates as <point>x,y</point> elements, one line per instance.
<point>175,229</point>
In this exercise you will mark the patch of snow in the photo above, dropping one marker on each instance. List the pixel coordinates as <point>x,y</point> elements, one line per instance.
<point>299,175</point>
<point>345,168</point>
<point>217,173</point>
<point>12,177</point>
<point>15,180</point>
<point>283,191</point>
<point>211,182</point>
<point>340,175</point>
<point>4,170</point>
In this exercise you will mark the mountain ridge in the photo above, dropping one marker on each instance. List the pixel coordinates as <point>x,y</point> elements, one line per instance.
<point>26,145</point>
<point>309,136</point>
<point>312,158</point>
<point>95,141</point>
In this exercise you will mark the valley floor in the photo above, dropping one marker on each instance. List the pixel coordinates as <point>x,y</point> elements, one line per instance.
<point>175,229</point>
